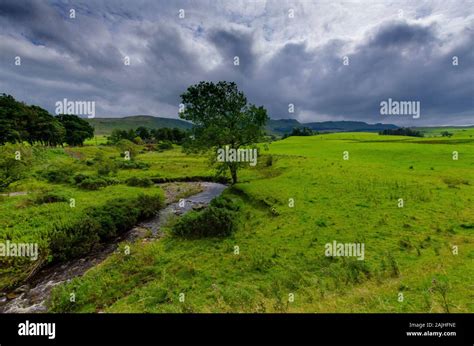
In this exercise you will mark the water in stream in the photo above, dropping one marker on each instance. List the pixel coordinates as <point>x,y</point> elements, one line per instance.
<point>32,297</point>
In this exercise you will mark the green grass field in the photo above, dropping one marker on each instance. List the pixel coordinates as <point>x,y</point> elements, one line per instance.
<point>276,260</point>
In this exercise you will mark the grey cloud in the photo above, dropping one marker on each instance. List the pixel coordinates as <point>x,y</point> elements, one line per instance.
<point>398,34</point>
<point>83,60</point>
<point>233,43</point>
<point>379,69</point>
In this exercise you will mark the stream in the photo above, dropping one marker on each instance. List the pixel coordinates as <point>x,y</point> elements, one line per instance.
<point>32,296</point>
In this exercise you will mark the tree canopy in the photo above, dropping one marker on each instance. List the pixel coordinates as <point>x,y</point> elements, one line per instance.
<point>402,131</point>
<point>22,123</point>
<point>222,117</point>
<point>77,129</point>
<point>162,134</point>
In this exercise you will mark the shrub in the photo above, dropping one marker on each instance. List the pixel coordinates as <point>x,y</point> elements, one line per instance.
<point>60,173</point>
<point>48,197</point>
<point>104,165</point>
<point>138,140</point>
<point>269,161</point>
<point>137,181</point>
<point>211,222</point>
<point>69,241</point>
<point>446,134</point>
<point>12,170</point>
<point>218,220</point>
<point>225,203</point>
<point>131,164</point>
<point>165,145</point>
<point>88,182</point>
<point>99,224</point>
<point>92,183</point>
<point>149,205</point>
<point>126,145</point>
<point>78,178</point>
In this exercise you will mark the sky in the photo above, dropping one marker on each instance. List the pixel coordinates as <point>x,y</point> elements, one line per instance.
<point>331,60</point>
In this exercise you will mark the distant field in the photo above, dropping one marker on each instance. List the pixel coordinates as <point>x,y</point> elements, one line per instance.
<point>460,132</point>
<point>408,251</point>
<point>97,140</point>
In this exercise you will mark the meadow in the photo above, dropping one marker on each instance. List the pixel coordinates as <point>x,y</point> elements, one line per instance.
<point>66,218</point>
<point>305,192</point>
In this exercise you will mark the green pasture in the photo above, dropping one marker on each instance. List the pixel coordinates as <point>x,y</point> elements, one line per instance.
<point>418,258</point>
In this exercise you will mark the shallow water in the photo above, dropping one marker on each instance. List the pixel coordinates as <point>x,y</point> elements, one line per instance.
<point>202,199</point>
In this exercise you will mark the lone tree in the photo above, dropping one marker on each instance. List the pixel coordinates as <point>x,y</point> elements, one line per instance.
<point>221,117</point>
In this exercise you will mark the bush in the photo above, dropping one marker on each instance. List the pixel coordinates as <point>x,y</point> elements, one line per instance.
<point>138,140</point>
<point>60,173</point>
<point>49,197</point>
<point>218,220</point>
<point>166,145</point>
<point>104,164</point>
<point>78,178</point>
<point>149,205</point>
<point>225,203</point>
<point>12,170</point>
<point>88,182</point>
<point>126,145</point>
<point>92,183</point>
<point>99,224</point>
<point>269,161</point>
<point>131,164</point>
<point>136,181</point>
<point>69,241</point>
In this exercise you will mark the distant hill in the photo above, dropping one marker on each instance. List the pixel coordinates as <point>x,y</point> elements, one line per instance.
<point>283,126</point>
<point>104,126</point>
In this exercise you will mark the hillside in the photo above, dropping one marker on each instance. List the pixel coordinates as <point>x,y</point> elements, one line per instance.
<point>283,126</point>
<point>104,126</point>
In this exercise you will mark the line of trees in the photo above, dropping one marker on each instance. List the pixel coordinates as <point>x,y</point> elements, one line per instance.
<point>402,131</point>
<point>144,135</point>
<point>22,123</point>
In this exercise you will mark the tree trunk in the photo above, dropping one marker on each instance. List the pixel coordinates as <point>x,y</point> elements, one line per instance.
<point>233,172</point>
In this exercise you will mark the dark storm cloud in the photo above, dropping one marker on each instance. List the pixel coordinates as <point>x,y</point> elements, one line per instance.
<point>400,34</point>
<point>83,59</point>
<point>399,61</point>
<point>235,44</point>
<point>45,25</point>
<point>402,62</point>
